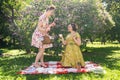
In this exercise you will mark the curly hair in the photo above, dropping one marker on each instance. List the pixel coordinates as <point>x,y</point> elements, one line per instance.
<point>74,26</point>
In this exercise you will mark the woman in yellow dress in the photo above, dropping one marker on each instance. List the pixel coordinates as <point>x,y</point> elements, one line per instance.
<point>72,56</point>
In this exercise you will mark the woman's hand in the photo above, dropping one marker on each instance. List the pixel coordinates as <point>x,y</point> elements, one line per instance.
<point>52,24</point>
<point>63,41</point>
<point>74,38</point>
<point>60,35</point>
<point>49,26</point>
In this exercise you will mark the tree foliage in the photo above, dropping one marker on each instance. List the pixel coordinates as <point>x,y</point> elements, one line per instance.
<point>90,16</point>
<point>9,11</point>
<point>113,7</point>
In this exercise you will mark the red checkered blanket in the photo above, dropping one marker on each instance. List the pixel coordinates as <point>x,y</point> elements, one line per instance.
<point>55,67</point>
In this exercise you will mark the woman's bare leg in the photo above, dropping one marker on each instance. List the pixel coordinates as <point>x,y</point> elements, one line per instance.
<point>39,56</point>
<point>42,61</point>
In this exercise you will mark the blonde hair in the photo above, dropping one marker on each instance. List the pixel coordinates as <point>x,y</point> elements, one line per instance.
<point>52,7</point>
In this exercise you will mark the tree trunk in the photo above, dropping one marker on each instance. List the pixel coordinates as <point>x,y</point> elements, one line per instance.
<point>13,24</point>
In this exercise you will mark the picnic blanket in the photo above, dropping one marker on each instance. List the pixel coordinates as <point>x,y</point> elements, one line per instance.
<point>55,67</point>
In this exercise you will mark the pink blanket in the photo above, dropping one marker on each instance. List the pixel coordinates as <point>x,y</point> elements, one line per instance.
<point>55,67</point>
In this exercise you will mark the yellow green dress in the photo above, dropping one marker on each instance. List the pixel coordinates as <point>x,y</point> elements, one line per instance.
<point>72,54</point>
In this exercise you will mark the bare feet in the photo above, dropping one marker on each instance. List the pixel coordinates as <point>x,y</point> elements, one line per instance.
<point>43,65</point>
<point>36,65</point>
<point>78,66</point>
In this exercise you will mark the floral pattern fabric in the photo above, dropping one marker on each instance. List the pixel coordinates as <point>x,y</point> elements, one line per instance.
<point>37,36</point>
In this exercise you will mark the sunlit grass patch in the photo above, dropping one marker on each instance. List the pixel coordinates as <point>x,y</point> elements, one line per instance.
<point>15,52</point>
<point>11,52</point>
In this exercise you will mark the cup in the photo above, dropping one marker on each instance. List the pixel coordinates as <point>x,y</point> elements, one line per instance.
<point>60,35</point>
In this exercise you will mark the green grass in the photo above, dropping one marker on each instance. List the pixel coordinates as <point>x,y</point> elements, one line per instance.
<point>108,56</point>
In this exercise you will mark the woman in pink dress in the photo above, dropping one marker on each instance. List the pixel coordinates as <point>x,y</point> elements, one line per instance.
<point>40,31</point>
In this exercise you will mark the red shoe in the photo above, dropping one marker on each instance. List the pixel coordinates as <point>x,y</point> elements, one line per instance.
<point>36,65</point>
<point>43,65</point>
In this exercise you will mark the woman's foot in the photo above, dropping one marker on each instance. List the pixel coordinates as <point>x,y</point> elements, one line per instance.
<point>36,65</point>
<point>78,66</point>
<point>43,65</point>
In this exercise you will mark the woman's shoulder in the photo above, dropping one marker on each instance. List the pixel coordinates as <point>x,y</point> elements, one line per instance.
<point>77,33</point>
<point>42,17</point>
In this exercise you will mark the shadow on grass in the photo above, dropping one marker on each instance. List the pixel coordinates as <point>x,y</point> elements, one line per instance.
<point>70,76</point>
<point>101,56</point>
<point>9,66</point>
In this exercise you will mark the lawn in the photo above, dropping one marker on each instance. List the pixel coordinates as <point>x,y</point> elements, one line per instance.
<point>108,56</point>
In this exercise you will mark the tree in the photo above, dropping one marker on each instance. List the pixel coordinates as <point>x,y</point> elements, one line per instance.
<point>113,7</point>
<point>9,10</point>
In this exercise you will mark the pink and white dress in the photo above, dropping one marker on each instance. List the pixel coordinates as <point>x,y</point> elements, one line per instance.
<point>37,36</point>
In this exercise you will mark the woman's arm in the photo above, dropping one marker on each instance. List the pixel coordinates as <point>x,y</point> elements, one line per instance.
<point>49,26</point>
<point>52,24</point>
<point>64,41</point>
<point>40,25</point>
<point>77,40</point>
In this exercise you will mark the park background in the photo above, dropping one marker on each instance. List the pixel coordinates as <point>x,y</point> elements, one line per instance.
<point>98,24</point>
